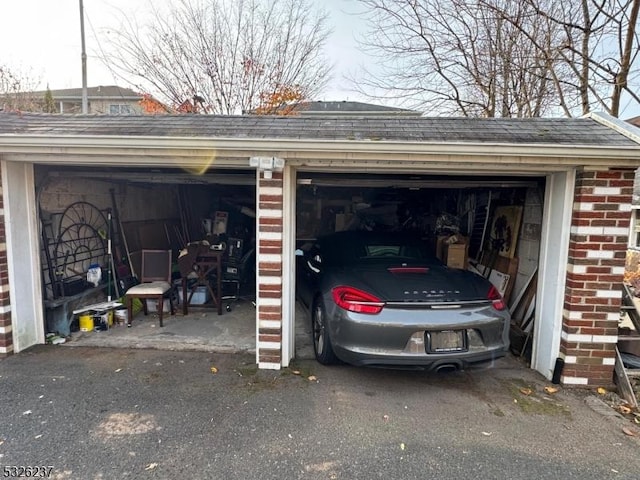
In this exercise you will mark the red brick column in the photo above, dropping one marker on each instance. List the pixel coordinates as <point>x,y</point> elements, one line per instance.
<point>597,247</point>
<point>269,255</point>
<point>6,334</point>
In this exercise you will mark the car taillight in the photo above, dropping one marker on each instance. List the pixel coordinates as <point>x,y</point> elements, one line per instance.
<point>356,300</point>
<point>496,298</point>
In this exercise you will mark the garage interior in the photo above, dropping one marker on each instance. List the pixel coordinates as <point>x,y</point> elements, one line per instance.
<point>488,223</point>
<point>107,217</point>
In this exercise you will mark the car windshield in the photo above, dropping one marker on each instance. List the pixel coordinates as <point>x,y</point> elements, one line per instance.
<point>366,248</point>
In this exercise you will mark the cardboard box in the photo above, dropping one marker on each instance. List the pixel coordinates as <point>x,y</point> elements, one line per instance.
<point>457,255</point>
<point>453,250</point>
<point>440,247</point>
<point>152,306</point>
<point>342,221</point>
<point>200,295</point>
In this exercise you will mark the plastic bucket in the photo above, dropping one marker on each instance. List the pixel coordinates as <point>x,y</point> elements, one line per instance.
<point>86,322</point>
<point>120,316</point>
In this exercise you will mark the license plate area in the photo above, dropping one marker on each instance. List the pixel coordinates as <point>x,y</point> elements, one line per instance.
<point>446,341</point>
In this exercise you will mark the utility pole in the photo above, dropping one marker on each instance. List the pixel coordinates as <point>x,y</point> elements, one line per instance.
<point>85,99</point>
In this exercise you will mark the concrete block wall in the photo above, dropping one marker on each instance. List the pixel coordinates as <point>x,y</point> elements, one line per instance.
<point>595,268</point>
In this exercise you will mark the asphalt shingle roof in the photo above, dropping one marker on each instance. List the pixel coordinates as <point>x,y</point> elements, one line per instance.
<point>547,131</point>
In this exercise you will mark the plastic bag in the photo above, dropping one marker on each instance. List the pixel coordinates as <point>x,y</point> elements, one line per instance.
<point>94,274</point>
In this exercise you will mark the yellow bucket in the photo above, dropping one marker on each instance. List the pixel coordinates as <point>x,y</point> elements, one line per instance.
<point>86,322</point>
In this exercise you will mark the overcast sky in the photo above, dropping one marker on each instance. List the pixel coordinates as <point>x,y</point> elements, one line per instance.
<point>42,38</point>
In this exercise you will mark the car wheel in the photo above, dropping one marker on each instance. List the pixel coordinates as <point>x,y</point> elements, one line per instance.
<point>321,341</point>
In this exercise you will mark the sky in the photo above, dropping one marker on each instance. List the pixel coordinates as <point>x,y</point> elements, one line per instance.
<point>42,38</point>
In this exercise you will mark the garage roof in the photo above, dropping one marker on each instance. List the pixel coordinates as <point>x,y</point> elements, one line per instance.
<point>541,131</point>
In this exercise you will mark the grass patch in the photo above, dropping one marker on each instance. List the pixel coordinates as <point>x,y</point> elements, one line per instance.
<point>535,402</point>
<point>305,369</point>
<point>247,370</point>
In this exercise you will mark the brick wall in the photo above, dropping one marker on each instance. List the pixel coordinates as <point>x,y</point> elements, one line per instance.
<point>269,248</point>
<point>595,269</point>
<point>6,335</point>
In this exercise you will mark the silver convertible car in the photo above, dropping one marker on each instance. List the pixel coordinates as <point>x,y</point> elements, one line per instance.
<point>383,299</point>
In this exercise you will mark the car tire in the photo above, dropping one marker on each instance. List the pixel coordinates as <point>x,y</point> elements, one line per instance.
<point>321,340</point>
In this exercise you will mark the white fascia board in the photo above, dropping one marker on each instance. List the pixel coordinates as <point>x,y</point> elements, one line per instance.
<point>301,149</point>
<point>624,128</point>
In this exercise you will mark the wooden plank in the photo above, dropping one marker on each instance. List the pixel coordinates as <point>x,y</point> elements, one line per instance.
<point>98,306</point>
<point>521,293</point>
<point>622,380</point>
<point>526,301</point>
<point>631,305</point>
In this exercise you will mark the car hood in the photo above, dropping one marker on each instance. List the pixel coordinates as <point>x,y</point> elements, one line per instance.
<point>416,284</point>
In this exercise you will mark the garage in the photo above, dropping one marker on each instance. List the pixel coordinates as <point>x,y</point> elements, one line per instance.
<point>456,216</point>
<point>87,212</point>
<point>571,180</point>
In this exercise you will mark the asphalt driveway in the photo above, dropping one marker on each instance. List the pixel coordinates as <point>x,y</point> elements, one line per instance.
<point>114,413</point>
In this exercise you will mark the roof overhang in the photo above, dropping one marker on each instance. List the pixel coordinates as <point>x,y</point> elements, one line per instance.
<point>196,152</point>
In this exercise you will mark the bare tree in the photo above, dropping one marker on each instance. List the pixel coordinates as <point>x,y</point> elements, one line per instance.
<point>457,57</point>
<point>16,89</point>
<point>502,57</point>
<point>596,60</point>
<point>223,56</point>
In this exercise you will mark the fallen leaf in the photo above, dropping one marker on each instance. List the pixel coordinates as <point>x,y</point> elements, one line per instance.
<point>526,391</point>
<point>628,431</point>
<point>151,466</point>
<point>312,378</point>
<point>602,390</point>
<point>549,389</point>
<point>214,370</point>
<point>624,409</point>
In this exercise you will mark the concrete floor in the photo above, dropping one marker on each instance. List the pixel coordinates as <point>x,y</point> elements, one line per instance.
<point>201,330</point>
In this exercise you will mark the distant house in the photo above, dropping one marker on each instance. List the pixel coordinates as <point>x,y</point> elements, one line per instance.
<point>635,121</point>
<point>346,108</point>
<point>106,100</point>
<point>349,108</point>
<point>110,100</point>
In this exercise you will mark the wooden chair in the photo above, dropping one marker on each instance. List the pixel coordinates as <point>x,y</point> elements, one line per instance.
<point>155,283</point>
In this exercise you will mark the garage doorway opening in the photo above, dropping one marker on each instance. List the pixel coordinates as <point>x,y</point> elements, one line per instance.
<point>489,224</point>
<point>103,218</point>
